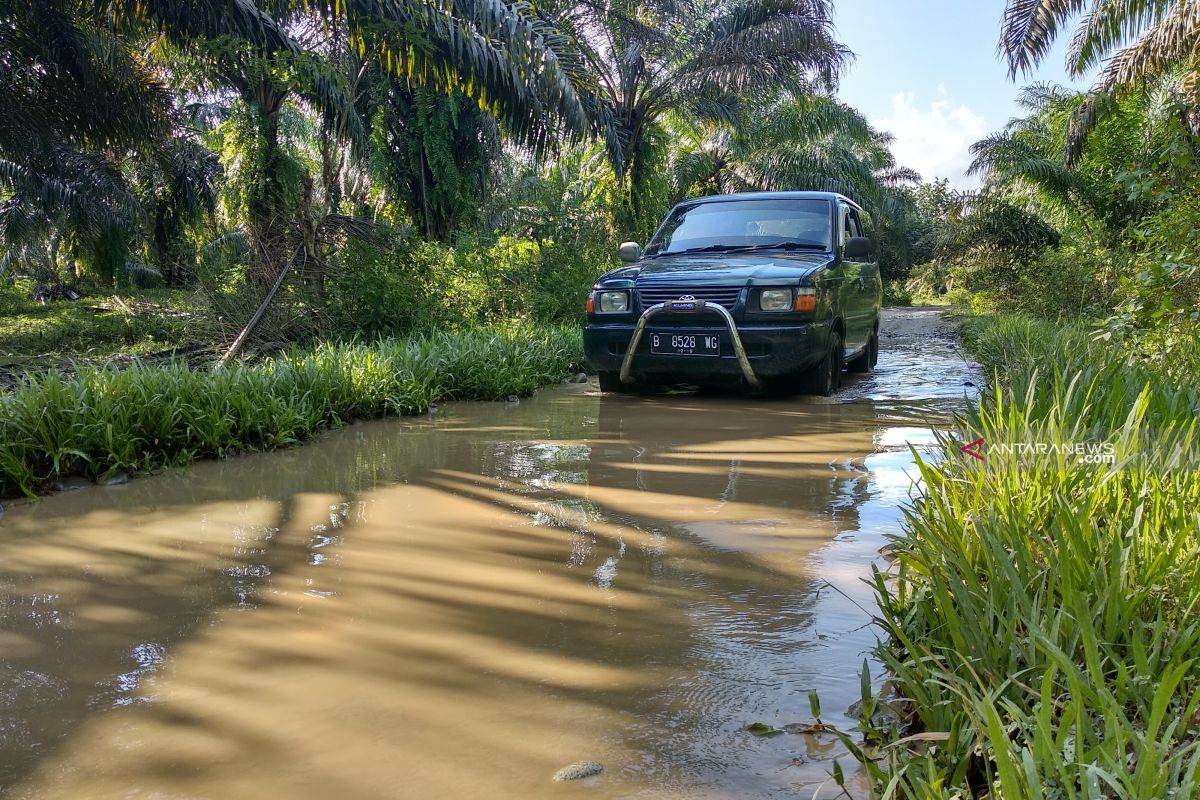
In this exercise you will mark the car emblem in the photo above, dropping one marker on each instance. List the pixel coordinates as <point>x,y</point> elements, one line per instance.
<point>687,303</point>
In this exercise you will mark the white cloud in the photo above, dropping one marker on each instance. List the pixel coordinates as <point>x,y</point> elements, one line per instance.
<point>935,142</point>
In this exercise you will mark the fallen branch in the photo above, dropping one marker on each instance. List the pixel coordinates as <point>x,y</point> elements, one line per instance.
<point>262,309</point>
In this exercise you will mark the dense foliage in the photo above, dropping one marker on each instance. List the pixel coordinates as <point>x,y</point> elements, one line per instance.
<point>1088,208</point>
<point>442,179</point>
<point>382,166</point>
<point>1105,237</point>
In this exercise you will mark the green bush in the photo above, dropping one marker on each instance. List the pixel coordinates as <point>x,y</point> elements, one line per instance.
<point>895,293</point>
<point>569,269</point>
<point>103,420</point>
<point>374,290</point>
<point>1159,312</point>
<point>475,283</point>
<point>404,285</point>
<point>1076,280</point>
<point>13,298</point>
<point>546,280</point>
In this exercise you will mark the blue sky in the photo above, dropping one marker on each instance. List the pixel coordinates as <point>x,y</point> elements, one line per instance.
<point>927,70</point>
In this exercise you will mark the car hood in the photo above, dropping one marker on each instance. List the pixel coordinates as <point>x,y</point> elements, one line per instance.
<point>719,268</point>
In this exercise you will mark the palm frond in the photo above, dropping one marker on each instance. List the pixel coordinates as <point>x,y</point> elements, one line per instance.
<point>1173,39</point>
<point>1009,159</point>
<point>812,116</point>
<point>1083,121</point>
<point>203,20</point>
<point>1109,25</point>
<point>1044,96</point>
<point>68,77</point>
<point>896,177</point>
<point>784,142</point>
<point>1029,29</point>
<point>520,67</point>
<point>657,56</point>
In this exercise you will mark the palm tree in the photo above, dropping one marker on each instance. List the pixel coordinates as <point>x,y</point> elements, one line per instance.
<point>78,101</point>
<point>1028,158</point>
<point>1134,39</point>
<point>810,142</point>
<point>651,57</point>
<point>178,191</point>
<point>321,54</point>
<point>432,153</point>
<point>1134,42</point>
<point>76,78</point>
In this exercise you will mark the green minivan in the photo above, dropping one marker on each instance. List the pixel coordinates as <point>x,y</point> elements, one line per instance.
<point>775,290</point>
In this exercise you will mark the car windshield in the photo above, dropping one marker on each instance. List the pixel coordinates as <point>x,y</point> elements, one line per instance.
<point>739,224</point>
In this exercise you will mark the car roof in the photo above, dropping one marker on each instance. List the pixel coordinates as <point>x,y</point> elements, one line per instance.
<point>720,198</point>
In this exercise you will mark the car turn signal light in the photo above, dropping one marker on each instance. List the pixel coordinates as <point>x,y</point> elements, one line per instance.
<point>590,307</point>
<point>806,300</point>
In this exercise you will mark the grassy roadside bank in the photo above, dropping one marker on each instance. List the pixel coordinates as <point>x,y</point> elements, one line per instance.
<point>92,328</point>
<point>104,420</point>
<point>1042,616</point>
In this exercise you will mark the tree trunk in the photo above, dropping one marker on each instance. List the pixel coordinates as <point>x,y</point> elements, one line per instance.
<point>271,209</point>
<point>424,189</point>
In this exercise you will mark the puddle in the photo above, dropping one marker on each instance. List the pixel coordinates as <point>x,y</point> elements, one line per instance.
<point>459,606</point>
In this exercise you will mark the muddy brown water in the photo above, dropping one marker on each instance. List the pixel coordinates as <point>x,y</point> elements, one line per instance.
<point>459,605</point>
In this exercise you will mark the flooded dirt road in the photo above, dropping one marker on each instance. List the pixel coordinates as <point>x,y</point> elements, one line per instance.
<point>457,606</point>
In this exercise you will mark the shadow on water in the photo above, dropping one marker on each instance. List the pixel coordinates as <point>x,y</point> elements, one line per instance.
<point>459,605</point>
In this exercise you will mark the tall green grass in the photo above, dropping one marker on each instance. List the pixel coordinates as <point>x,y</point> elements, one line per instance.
<point>100,421</point>
<point>1043,615</point>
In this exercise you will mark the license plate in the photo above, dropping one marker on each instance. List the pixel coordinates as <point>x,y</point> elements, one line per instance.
<point>685,344</point>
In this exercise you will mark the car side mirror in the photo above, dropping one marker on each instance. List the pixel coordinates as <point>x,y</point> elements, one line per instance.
<point>630,251</point>
<point>858,248</point>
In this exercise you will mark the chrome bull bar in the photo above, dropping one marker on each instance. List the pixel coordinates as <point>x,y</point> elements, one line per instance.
<point>692,306</point>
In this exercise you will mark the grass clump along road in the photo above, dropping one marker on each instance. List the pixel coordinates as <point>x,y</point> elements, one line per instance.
<point>101,421</point>
<point>1041,617</point>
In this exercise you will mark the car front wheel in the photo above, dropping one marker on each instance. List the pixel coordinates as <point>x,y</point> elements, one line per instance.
<point>826,376</point>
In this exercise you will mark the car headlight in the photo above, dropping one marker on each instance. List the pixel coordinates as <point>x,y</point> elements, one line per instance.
<point>775,300</point>
<point>613,302</point>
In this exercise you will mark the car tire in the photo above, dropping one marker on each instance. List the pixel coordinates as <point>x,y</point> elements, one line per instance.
<point>865,362</point>
<point>610,383</point>
<point>826,377</point>
<point>784,386</point>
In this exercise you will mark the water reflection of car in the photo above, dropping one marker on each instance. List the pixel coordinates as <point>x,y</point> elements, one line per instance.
<point>774,289</point>
<point>730,473</point>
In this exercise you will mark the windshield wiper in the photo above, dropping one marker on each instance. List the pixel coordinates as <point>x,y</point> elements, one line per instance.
<point>785,246</point>
<point>712,248</point>
<point>741,248</point>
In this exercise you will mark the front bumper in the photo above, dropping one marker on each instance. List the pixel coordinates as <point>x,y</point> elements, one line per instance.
<point>773,350</point>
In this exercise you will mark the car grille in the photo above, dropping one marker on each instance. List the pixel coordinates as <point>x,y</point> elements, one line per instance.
<point>726,296</point>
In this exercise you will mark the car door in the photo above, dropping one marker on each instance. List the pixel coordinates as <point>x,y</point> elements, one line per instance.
<point>854,294</point>
<point>870,291</point>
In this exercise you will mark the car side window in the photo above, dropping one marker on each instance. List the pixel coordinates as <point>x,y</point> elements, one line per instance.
<point>854,223</point>
<point>849,226</point>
